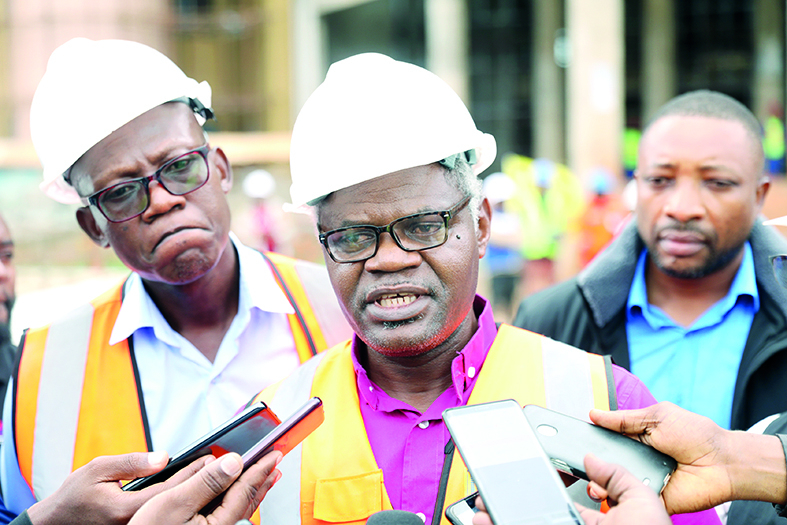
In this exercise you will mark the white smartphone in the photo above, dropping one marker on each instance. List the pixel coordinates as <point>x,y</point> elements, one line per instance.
<point>514,476</point>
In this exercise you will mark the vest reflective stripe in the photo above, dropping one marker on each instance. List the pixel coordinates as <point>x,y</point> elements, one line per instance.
<point>56,421</point>
<point>74,392</point>
<point>90,413</point>
<point>281,505</point>
<point>318,322</point>
<point>340,481</point>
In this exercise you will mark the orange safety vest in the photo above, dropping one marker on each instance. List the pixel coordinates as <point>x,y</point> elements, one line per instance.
<point>77,397</point>
<point>334,478</point>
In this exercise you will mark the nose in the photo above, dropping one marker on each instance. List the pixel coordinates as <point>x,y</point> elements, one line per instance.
<point>390,257</point>
<point>685,201</point>
<point>160,201</point>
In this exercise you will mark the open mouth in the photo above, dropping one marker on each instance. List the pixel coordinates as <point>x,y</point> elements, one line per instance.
<point>393,300</point>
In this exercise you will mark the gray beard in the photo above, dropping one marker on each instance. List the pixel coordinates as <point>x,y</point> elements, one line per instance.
<point>391,325</point>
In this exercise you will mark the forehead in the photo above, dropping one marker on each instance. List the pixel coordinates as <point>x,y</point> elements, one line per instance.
<point>5,234</point>
<point>146,138</point>
<point>697,139</point>
<point>381,200</point>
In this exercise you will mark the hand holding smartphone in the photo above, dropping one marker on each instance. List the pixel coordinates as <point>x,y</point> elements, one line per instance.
<point>513,474</point>
<point>251,433</point>
<point>567,440</point>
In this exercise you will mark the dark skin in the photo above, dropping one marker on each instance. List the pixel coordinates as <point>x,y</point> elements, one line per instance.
<point>699,190</point>
<point>409,347</point>
<point>180,244</point>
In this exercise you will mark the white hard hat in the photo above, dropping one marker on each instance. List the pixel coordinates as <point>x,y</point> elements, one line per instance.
<point>259,184</point>
<point>372,116</point>
<point>90,89</point>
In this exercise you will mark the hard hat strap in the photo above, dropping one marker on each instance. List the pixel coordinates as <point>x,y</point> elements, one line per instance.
<point>450,162</point>
<point>197,107</point>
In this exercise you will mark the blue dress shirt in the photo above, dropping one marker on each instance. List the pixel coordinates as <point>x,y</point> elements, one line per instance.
<point>695,367</point>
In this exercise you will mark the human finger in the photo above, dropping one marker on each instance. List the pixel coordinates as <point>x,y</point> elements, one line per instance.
<point>246,494</point>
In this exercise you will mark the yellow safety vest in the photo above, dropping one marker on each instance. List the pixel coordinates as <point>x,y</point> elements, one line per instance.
<point>340,481</point>
<point>77,397</point>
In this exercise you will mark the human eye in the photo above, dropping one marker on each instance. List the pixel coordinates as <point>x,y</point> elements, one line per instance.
<point>353,240</point>
<point>120,192</point>
<point>657,181</point>
<point>426,227</point>
<point>6,256</point>
<point>720,184</point>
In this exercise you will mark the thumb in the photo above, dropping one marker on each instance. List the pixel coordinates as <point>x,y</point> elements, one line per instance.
<point>126,466</point>
<point>211,481</point>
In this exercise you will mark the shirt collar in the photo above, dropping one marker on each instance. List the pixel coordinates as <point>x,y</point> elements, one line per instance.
<point>744,283</point>
<point>464,367</point>
<point>258,289</point>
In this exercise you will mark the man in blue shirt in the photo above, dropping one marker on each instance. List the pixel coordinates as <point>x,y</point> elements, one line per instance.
<point>685,297</point>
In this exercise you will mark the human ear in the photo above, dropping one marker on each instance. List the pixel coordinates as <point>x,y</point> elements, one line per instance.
<point>89,225</point>
<point>224,169</point>
<point>484,226</point>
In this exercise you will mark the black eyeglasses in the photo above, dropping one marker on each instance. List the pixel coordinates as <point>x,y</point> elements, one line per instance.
<point>412,233</point>
<point>779,263</point>
<point>128,199</point>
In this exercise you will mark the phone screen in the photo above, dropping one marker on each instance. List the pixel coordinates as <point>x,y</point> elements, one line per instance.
<point>239,434</point>
<point>513,474</point>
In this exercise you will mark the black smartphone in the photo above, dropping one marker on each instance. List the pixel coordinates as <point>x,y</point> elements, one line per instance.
<point>513,474</point>
<point>462,512</point>
<point>567,440</point>
<point>251,433</point>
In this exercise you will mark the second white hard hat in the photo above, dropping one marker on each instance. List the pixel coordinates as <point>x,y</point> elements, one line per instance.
<point>373,116</point>
<point>90,89</point>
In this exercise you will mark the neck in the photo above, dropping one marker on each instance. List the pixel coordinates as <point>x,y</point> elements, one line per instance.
<point>419,380</point>
<point>202,311</point>
<point>685,300</point>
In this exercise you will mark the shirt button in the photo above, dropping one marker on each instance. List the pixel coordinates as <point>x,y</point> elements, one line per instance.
<point>471,372</point>
<point>423,424</point>
<point>422,516</point>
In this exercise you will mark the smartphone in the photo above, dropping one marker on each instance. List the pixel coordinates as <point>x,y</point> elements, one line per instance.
<point>567,440</point>
<point>515,477</point>
<point>246,432</point>
<point>462,512</point>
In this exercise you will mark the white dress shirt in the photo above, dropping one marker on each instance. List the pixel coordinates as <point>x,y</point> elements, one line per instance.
<point>186,395</point>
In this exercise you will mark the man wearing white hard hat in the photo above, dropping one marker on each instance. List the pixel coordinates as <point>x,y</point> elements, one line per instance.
<point>386,157</point>
<point>202,322</point>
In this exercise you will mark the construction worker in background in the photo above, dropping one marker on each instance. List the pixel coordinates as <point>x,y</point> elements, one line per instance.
<point>604,215</point>
<point>201,323</point>
<point>631,138</point>
<point>259,185</point>
<point>503,260</point>
<point>773,141</point>
<point>548,198</point>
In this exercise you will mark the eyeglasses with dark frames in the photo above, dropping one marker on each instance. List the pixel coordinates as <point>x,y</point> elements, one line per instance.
<point>420,231</point>
<point>128,199</point>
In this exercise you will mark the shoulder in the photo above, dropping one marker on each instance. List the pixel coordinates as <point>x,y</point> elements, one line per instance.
<point>631,392</point>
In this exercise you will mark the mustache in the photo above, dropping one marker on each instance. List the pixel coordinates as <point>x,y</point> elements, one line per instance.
<point>683,227</point>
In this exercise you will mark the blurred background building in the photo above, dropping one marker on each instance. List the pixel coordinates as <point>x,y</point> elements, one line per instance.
<point>554,79</point>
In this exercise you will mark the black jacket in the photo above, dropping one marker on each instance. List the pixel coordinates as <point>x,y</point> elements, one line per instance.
<point>589,312</point>
<point>758,512</point>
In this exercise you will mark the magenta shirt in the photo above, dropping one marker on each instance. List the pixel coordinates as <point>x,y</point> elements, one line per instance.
<point>409,446</point>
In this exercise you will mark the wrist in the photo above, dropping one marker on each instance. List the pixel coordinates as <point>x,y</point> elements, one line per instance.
<point>756,467</point>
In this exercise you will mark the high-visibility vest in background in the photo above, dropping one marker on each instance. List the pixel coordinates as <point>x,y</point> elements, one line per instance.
<point>77,397</point>
<point>333,476</point>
